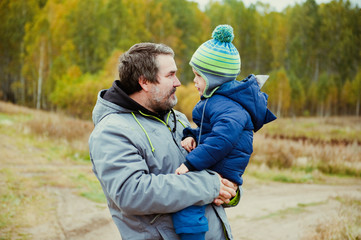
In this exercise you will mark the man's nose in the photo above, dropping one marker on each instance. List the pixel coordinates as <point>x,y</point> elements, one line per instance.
<point>176,82</point>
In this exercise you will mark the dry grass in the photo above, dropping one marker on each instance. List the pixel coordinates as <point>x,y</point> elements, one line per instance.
<point>332,130</point>
<point>72,132</point>
<point>346,226</point>
<point>298,146</point>
<point>57,127</point>
<point>9,108</point>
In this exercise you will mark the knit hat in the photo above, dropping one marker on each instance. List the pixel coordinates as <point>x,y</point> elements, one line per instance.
<point>217,60</point>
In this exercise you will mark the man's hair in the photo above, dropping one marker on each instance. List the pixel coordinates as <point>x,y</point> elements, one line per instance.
<point>140,61</point>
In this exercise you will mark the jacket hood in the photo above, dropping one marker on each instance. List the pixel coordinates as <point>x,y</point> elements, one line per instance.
<point>103,108</point>
<point>248,94</point>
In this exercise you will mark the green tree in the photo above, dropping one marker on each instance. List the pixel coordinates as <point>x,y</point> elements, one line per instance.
<point>88,33</point>
<point>356,92</point>
<point>13,17</point>
<point>279,41</point>
<point>279,90</point>
<point>327,93</point>
<point>192,27</point>
<point>304,24</point>
<point>338,36</point>
<point>346,98</point>
<point>298,97</point>
<point>37,57</point>
<point>312,98</point>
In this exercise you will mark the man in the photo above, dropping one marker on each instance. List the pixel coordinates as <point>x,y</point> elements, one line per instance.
<point>135,149</point>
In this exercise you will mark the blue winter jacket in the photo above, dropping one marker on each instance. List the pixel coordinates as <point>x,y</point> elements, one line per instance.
<point>231,115</point>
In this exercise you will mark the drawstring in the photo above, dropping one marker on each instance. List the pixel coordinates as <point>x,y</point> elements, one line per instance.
<point>184,126</point>
<point>160,120</point>
<point>200,128</point>
<point>150,142</point>
<point>166,124</point>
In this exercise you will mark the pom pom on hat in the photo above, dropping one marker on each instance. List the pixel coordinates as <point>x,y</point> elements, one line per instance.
<point>223,33</point>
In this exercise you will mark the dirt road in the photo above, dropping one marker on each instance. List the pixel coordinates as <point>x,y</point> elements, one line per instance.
<point>286,211</point>
<point>266,211</point>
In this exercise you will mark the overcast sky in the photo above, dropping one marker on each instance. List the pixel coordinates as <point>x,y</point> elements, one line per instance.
<point>278,5</point>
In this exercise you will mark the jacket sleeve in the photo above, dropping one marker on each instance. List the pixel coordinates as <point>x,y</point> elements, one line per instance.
<point>190,132</point>
<point>228,120</point>
<point>128,183</point>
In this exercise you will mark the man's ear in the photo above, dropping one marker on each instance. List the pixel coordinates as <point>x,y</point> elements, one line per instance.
<point>144,83</point>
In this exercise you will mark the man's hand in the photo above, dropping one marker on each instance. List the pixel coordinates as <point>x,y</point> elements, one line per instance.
<point>227,191</point>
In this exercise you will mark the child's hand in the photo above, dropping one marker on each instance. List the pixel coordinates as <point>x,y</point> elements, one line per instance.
<point>189,144</point>
<point>182,169</point>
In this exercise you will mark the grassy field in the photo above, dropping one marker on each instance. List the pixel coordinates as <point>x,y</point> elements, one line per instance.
<point>41,150</point>
<point>314,146</point>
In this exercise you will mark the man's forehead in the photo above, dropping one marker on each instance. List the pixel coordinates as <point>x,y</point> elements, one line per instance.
<point>166,63</point>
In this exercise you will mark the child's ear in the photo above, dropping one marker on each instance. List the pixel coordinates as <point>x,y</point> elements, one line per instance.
<point>144,83</point>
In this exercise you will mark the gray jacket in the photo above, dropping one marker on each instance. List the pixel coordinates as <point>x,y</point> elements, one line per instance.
<point>134,157</point>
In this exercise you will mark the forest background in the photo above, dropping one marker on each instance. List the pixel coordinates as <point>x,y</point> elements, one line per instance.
<point>57,54</point>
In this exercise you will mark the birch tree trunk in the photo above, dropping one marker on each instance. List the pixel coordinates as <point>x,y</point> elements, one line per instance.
<point>40,76</point>
<point>317,70</point>
<point>22,79</point>
<point>279,104</point>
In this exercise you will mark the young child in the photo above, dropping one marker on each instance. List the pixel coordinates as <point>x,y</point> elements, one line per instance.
<point>227,115</point>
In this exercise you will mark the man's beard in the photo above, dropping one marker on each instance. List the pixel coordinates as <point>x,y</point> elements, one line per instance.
<point>162,101</point>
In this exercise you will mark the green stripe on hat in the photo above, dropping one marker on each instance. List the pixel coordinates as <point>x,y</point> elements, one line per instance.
<point>216,57</point>
<point>212,51</point>
<point>217,67</point>
<point>219,74</point>
<point>215,60</point>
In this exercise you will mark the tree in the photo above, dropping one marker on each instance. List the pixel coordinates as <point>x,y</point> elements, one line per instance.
<point>338,39</point>
<point>356,92</point>
<point>37,56</point>
<point>279,41</point>
<point>13,17</point>
<point>346,98</point>
<point>327,93</point>
<point>279,90</point>
<point>304,24</point>
<point>312,98</point>
<point>86,30</point>
<point>192,27</point>
<point>298,96</point>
